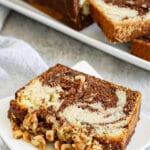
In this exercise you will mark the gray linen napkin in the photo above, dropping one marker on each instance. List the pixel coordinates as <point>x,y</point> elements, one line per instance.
<point>19,62</point>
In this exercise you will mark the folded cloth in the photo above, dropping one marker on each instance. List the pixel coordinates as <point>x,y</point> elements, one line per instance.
<point>19,62</point>
<point>3,15</point>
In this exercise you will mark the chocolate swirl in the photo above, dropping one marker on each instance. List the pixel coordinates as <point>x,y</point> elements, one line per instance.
<point>142,6</point>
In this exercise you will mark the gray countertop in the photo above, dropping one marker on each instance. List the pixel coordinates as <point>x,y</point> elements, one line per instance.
<point>55,47</point>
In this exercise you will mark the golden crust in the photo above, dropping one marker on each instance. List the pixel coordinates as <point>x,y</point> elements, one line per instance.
<point>141,49</point>
<point>119,31</point>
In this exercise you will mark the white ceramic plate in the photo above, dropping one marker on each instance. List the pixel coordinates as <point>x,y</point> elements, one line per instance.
<point>139,141</point>
<point>92,35</point>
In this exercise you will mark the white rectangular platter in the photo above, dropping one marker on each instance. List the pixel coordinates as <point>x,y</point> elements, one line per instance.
<point>139,141</point>
<point>91,35</point>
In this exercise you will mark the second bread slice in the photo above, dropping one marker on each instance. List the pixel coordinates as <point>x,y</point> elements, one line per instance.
<point>74,13</point>
<point>122,21</point>
<point>141,47</point>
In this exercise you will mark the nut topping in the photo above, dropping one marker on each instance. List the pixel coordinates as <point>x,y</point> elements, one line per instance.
<point>39,142</point>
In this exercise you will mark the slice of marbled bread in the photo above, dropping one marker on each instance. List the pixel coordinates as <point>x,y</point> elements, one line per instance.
<point>122,20</point>
<point>74,110</point>
<point>74,13</point>
<point>141,47</point>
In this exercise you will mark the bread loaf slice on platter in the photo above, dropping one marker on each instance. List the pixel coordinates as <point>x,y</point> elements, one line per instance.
<point>75,111</point>
<point>122,20</point>
<point>74,13</point>
<point>141,47</point>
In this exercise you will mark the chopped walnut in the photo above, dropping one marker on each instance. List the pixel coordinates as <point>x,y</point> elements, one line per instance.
<point>81,78</point>
<point>50,135</point>
<point>39,142</point>
<point>26,136</point>
<point>97,147</point>
<point>65,132</point>
<point>17,134</point>
<point>130,2</point>
<point>76,138</point>
<point>79,146</point>
<point>67,78</point>
<point>85,138</point>
<point>31,120</point>
<point>50,118</point>
<point>57,145</point>
<point>14,125</point>
<point>89,148</point>
<point>81,141</point>
<point>66,147</point>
